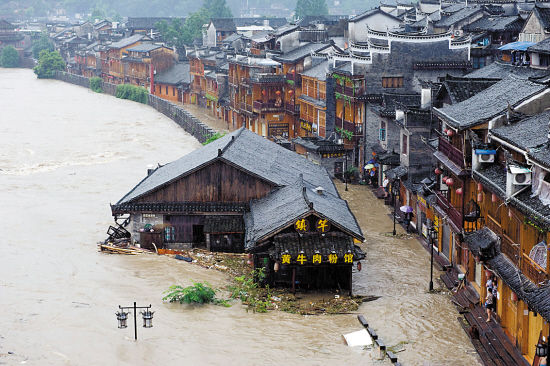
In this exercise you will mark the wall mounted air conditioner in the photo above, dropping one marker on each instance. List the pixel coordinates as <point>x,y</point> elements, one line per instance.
<point>520,176</point>
<point>482,156</point>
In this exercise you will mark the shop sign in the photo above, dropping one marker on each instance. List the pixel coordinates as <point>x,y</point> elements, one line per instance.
<point>306,126</point>
<point>322,225</point>
<point>301,225</point>
<point>317,258</point>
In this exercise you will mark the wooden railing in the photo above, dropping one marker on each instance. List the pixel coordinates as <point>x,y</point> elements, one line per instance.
<point>510,249</point>
<point>292,108</point>
<point>454,214</point>
<point>532,270</point>
<point>246,107</point>
<point>267,106</point>
<point>454,154</point>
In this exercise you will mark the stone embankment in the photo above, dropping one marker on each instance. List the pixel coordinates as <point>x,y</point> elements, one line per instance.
<point>186,120</point>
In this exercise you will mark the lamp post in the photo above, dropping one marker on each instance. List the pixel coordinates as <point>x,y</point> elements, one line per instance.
<point>346,170</point>
<point>432,234</point>
<point>395,193</point>
<point>122,317</point>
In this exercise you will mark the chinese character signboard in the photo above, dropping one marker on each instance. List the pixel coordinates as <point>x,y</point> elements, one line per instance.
<point>301,225</point>
<point>322,226</point>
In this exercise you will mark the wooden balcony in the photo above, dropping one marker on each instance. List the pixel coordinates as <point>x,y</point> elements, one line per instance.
<point>271,106</point>
<point>292,108</point>
<point>455,214</point>
<point>454,154</point>
<point>348,91</point>
<point>510,249</point>
<point>246,107</point>
<point>532,270</point>
<point>294,77</point>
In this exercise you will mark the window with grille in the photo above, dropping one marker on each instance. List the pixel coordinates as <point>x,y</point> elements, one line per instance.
<point>392,82</point>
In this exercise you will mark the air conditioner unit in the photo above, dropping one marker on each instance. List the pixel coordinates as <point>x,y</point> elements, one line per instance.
<point>482,156</point>
<point>520,176</point>
<point>457,33</point>
<point>486,158</point>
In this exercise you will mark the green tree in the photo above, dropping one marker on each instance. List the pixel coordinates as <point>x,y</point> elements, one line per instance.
<point>217,9</point>
<point>310,7</point>
<point>48,64</point>
<point>9,57</point>
<point>42,43</point>
<point>173,34</point>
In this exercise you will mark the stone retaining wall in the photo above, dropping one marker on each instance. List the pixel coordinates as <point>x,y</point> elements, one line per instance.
<point>186,120</point>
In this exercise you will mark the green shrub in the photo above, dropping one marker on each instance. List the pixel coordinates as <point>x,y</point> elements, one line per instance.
<point>48,64</point>
<point>96,84</point>
<point>9,57</point>
<point>214,137</point>
<point>132,92</point>
<point>198,293</point>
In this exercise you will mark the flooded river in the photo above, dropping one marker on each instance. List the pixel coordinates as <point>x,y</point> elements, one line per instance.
<point>65,152</point>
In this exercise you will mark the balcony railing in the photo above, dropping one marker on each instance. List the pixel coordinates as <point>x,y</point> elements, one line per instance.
<point>454,154</point>
<point>454,214</point>
<point>532,270</point>
<point>296,78</point>
<point>348,90</point>
<point>267,106</point>
<point>246,107</point>
<point>511,250</point>
<point>292,108</point>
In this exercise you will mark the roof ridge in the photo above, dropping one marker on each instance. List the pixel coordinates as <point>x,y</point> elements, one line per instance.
<point>233,138</point>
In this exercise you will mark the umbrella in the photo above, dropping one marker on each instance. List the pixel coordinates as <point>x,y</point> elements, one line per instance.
<point>406,209</point>
<point>369,166</point>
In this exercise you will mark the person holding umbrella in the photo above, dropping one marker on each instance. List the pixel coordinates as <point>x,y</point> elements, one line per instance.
<point>407,210</point>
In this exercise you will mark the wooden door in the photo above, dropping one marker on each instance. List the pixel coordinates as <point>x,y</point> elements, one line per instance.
<point>509,314</point>
<point>535,328</point>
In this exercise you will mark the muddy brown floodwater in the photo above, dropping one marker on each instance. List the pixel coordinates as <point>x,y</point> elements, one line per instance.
<point>65,153</point>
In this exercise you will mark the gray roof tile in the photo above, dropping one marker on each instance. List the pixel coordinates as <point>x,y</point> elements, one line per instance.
<point>525,134</point>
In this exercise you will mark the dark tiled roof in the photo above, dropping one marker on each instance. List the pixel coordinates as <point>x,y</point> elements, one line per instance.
<point>527,133</point>
<point>294,244</point>
<point>125,42</point>
<point>482,243</point>
<point>368,13</point>
<point>246,150</point>
<point>538,299</point>
<point>224,24</point>
<point>460,89</point>
<point>6,25</point>
<point>280,209</point>
<point>301,52</point>
<point>489,102</point>
<point>177,74</point>
<point>542,47</point>
<point>317,102</point>
<point>144,47</point>
<point>459,16</point>
<point>541,154</point>
<point>498,70</point>
<point>319,144</point>
<point>494,177</point>
<point>319,19</point>
<point>318,71</point>
<point>543,13</point>
<point>396,172</point>
<point>273,22</point>
<point>392,101</point>
<point>495,24</point>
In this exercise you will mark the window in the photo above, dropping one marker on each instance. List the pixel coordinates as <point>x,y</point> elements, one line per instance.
<point>404,145</point>
<point>392,82</point>
<point>382,131</point>
<point>167,90</point>
<point>173,91</point>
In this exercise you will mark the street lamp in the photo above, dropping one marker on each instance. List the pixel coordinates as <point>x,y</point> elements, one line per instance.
<point>346,170</point>
<point>122,317</point>
<point>395,193</point>
<point>432,235</point>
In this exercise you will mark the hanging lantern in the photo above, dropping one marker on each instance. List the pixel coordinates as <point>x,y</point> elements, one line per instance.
<point>510,213</point>
<point>445,178</point>
<point>459,191</point>
<point>276,267</point>
<point>249,262</point>
<point>479,197</point>
<point>122,317</point>
<point>542,350</point>
<point>437,171</point>
<point>290,91</point>
<point>480,187</point>
<point>278,92</point>
<point>450,182</point>
<point>263,92</point>
<point>249,255</point>
<point>147,318</point>
<point>514,297</point>
<point>359,266</point>
<point>493,198</point>
<point>450,132</point>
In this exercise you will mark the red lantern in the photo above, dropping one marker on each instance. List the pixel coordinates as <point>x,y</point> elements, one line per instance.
<point>510,213</point>
<point>359,266</point>
<point>450,132</point>
<point>263,92</point>
<point>450,182</point>
<point>480,187</point>
<point>249,255</point>
<point>437,171</point>
<point>493,198</point>
<point>445,178</point>
<point>290,92</point>
<point>514,297</point>
<point>249,262</point>
<point>459,191</point>
<point>479,197</point>
<point>278,92</point>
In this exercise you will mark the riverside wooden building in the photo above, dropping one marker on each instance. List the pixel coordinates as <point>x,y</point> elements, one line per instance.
<point>243,192</point>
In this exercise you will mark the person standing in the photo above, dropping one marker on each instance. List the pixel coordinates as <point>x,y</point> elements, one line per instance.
<point>489,299</point>
<point>386,186</point>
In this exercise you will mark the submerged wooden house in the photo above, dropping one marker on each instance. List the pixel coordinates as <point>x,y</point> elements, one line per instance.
<point>243,192</point>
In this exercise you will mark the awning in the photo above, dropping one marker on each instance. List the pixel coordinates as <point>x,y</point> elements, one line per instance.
<point>516,46</point>
<point>482,243</point>
<point>396,173</point>
<point>452,166</point>
<point>310,244</point>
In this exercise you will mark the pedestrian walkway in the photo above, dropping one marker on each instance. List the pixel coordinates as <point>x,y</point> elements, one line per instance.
<point>207,118</point>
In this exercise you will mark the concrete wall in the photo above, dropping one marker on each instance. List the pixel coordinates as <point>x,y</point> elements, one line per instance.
<point>186,120</point>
